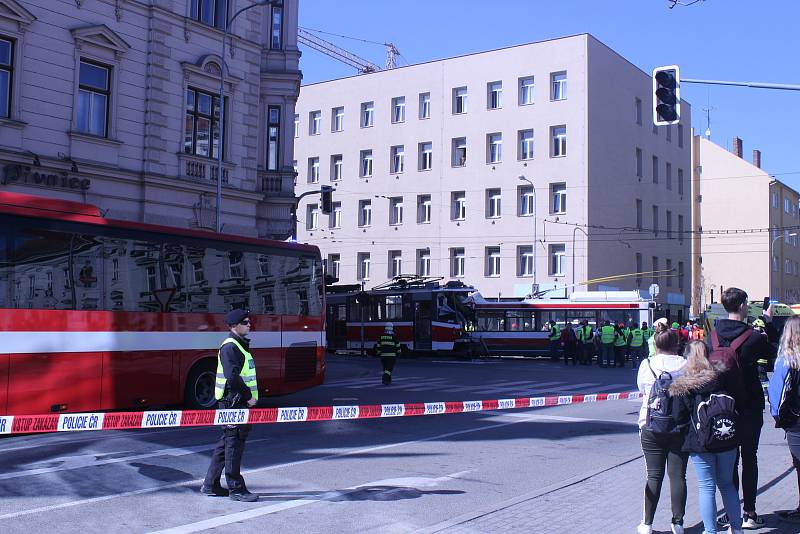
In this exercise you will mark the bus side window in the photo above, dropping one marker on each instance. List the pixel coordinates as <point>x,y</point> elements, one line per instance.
<point>43,273</point>
<point>6,268</point>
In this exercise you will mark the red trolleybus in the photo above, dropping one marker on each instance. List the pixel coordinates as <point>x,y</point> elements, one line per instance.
<point>425,314</point>
<point>517,327</point>
<point>97,314</point>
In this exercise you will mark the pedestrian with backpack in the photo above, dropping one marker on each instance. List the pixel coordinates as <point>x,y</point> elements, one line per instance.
<point>784,397</point>
<point>661,437</point>
<point>738,347</point>
<point>712,437</point>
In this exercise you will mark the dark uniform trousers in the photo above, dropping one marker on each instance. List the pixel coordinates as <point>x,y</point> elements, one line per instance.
<point>227,455</point>
<point>388,367</point>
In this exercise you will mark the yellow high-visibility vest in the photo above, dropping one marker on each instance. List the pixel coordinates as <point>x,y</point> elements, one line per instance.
<point>248,372</point>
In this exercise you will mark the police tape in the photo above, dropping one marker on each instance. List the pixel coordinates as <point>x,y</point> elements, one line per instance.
<point>76,422</point>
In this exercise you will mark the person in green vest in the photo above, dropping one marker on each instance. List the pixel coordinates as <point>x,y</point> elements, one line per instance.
<point>585,342</point>
<point>637,343</point>
<point>555,339</point>
<point>236,388</point>
<point>620,344</point>
<point>608,338</point>
<point>388,348</point>
<point>658,326</point>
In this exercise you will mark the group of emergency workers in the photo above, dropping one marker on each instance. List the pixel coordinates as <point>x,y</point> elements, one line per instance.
<point>613,344</point>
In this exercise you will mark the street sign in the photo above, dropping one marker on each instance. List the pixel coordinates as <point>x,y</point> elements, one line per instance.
<point>654,290</point>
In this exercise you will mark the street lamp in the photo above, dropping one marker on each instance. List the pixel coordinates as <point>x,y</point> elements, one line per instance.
<point>573,251</point>
<point>535,240</point>
<point>771,248</point>
<point>222,106</point>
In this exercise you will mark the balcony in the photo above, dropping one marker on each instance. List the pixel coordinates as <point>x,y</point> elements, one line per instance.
<point>275,184</point>
<point>197,168</point>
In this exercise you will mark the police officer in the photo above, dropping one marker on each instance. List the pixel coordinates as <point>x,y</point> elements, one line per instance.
<point>236,388</point>
<point>388,347</point>
<point>555,340</point>
<point>608,338</point>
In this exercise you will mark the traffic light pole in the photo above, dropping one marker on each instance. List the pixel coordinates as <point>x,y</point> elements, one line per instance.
<point>325,189</point>
<point>757,85</point>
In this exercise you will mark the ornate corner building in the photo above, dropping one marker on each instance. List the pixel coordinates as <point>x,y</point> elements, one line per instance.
<point>115,103</point>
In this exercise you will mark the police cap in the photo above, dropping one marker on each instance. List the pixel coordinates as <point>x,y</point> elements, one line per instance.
<point>236,316</point>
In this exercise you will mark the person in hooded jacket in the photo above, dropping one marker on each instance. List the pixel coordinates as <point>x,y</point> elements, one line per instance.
<point>745,386</point>
<point>662,450</point>
<point>782,384</point>
<point>714,469</point>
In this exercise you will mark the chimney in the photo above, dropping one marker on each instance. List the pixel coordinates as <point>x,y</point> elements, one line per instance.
<point>757,158</point>
<point>738,148</point>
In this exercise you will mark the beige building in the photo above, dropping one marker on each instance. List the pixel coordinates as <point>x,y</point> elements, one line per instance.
<point>114,103</point>
<point>530,165</point>
<point>746,226</point>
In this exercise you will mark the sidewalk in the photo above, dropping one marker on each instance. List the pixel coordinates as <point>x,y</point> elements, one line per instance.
<point>610,500</point>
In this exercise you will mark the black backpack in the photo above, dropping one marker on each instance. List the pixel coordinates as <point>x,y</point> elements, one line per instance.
<point>716,421</point>
<point>661,406</point>
<point>789,408</point>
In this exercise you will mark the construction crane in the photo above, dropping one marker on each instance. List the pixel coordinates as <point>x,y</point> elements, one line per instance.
<point>304,36</point>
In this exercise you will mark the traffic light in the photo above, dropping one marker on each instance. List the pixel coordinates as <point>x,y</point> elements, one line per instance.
<point>326,199</point>
<point>666,95</point>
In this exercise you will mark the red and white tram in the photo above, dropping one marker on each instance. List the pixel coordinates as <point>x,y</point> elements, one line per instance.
<point>517,327</point>
<point>103,314</point>
<point>426,315</point>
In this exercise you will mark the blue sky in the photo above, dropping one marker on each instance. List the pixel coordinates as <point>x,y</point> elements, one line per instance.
<point>741,40</point>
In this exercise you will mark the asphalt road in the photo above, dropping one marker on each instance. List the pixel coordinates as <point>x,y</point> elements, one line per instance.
<point>481,472</point>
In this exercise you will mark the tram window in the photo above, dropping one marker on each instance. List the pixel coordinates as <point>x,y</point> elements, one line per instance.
<point>520,321</point>
<point>445,308</point>
<point>576,317</point>
<point>616,316</point>
<point>549,316</point>
<point>394,307</point>
<point>491,322</point>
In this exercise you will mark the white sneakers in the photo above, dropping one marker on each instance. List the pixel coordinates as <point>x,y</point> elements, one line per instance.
<point>644,529</point>
<point>677,529</point>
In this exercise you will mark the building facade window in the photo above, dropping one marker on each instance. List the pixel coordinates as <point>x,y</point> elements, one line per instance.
<point>558,86</point>
<point>423,209</point>
<point>337,119</point>
<point>94,93</point>
<point>669,224</point>
<point>202,124</point>
<point>458,203</point>
<point>669,275</point>
<point>526,91</point>
<point>559,144</point>
<point>492,262</point>
<point>6,75</point>
<point>494,95</point>
<point>364,213</point>
<point>558,194</point>
<point>787,205</point>
<point>655,270</point>
<point>680,229</point>
<point>669,133</point>
<point>364,265</point>
<point>639,268</point>
<point>494,148</point>
<point>312,217</point>
<point>669,176</point>
<point>425,156</point>
<point>639,217</point>
<point>638,106</point>
<point>314,123</point>
<point>313,170</point>
<point>493,203</point>
<point>526,201</point>
<point>655,220</point>
<point>424,105</point>
<point>525,260</point>
<point>337,167</point>
<point>273,137</point>
<point>459,145</point>
<point>398,159</point>
<point>276,28</point>
<point>335,218</point>
<point>366,163</point>
<point>558,259</point>
<point>367,114</point>
<point>457,262</point>
<point>423,261</point>
<point>399,109</point>
<point>459,100</point>
<point>680,182</point>
<point>395,263</point>
<point>211,12</point>
<point>525,144</point>
<point>680,136</point>
<point>774,199</point>
<point>297,126</point>
<point>396,210</point>
<point>639,163</point>
<point>655,169</point>
<point>334,265</point>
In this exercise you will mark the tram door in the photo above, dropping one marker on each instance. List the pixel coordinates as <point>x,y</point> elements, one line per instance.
<point>422,325</point>
<point>337,326</point>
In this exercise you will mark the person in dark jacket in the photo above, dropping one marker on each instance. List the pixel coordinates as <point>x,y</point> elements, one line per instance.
<point>784,388</point>
<point>570,342</point>
<point>743,382</point>
<point>388,348</point>
<point>236,388</point>
<point>714,469</point>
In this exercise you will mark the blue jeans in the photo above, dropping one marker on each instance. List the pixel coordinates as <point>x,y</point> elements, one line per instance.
<point>715,470</point>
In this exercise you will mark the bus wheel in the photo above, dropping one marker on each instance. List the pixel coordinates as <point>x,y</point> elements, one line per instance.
<point>199,394</point>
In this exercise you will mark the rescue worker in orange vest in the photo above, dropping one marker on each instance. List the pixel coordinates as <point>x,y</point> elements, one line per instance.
<point>388,348</point>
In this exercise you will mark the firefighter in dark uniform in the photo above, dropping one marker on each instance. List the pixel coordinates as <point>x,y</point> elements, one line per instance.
<point>388,347</point>
<point>236,388</point>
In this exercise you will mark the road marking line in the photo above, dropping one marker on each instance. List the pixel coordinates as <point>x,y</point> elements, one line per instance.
<point>94,500</point>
